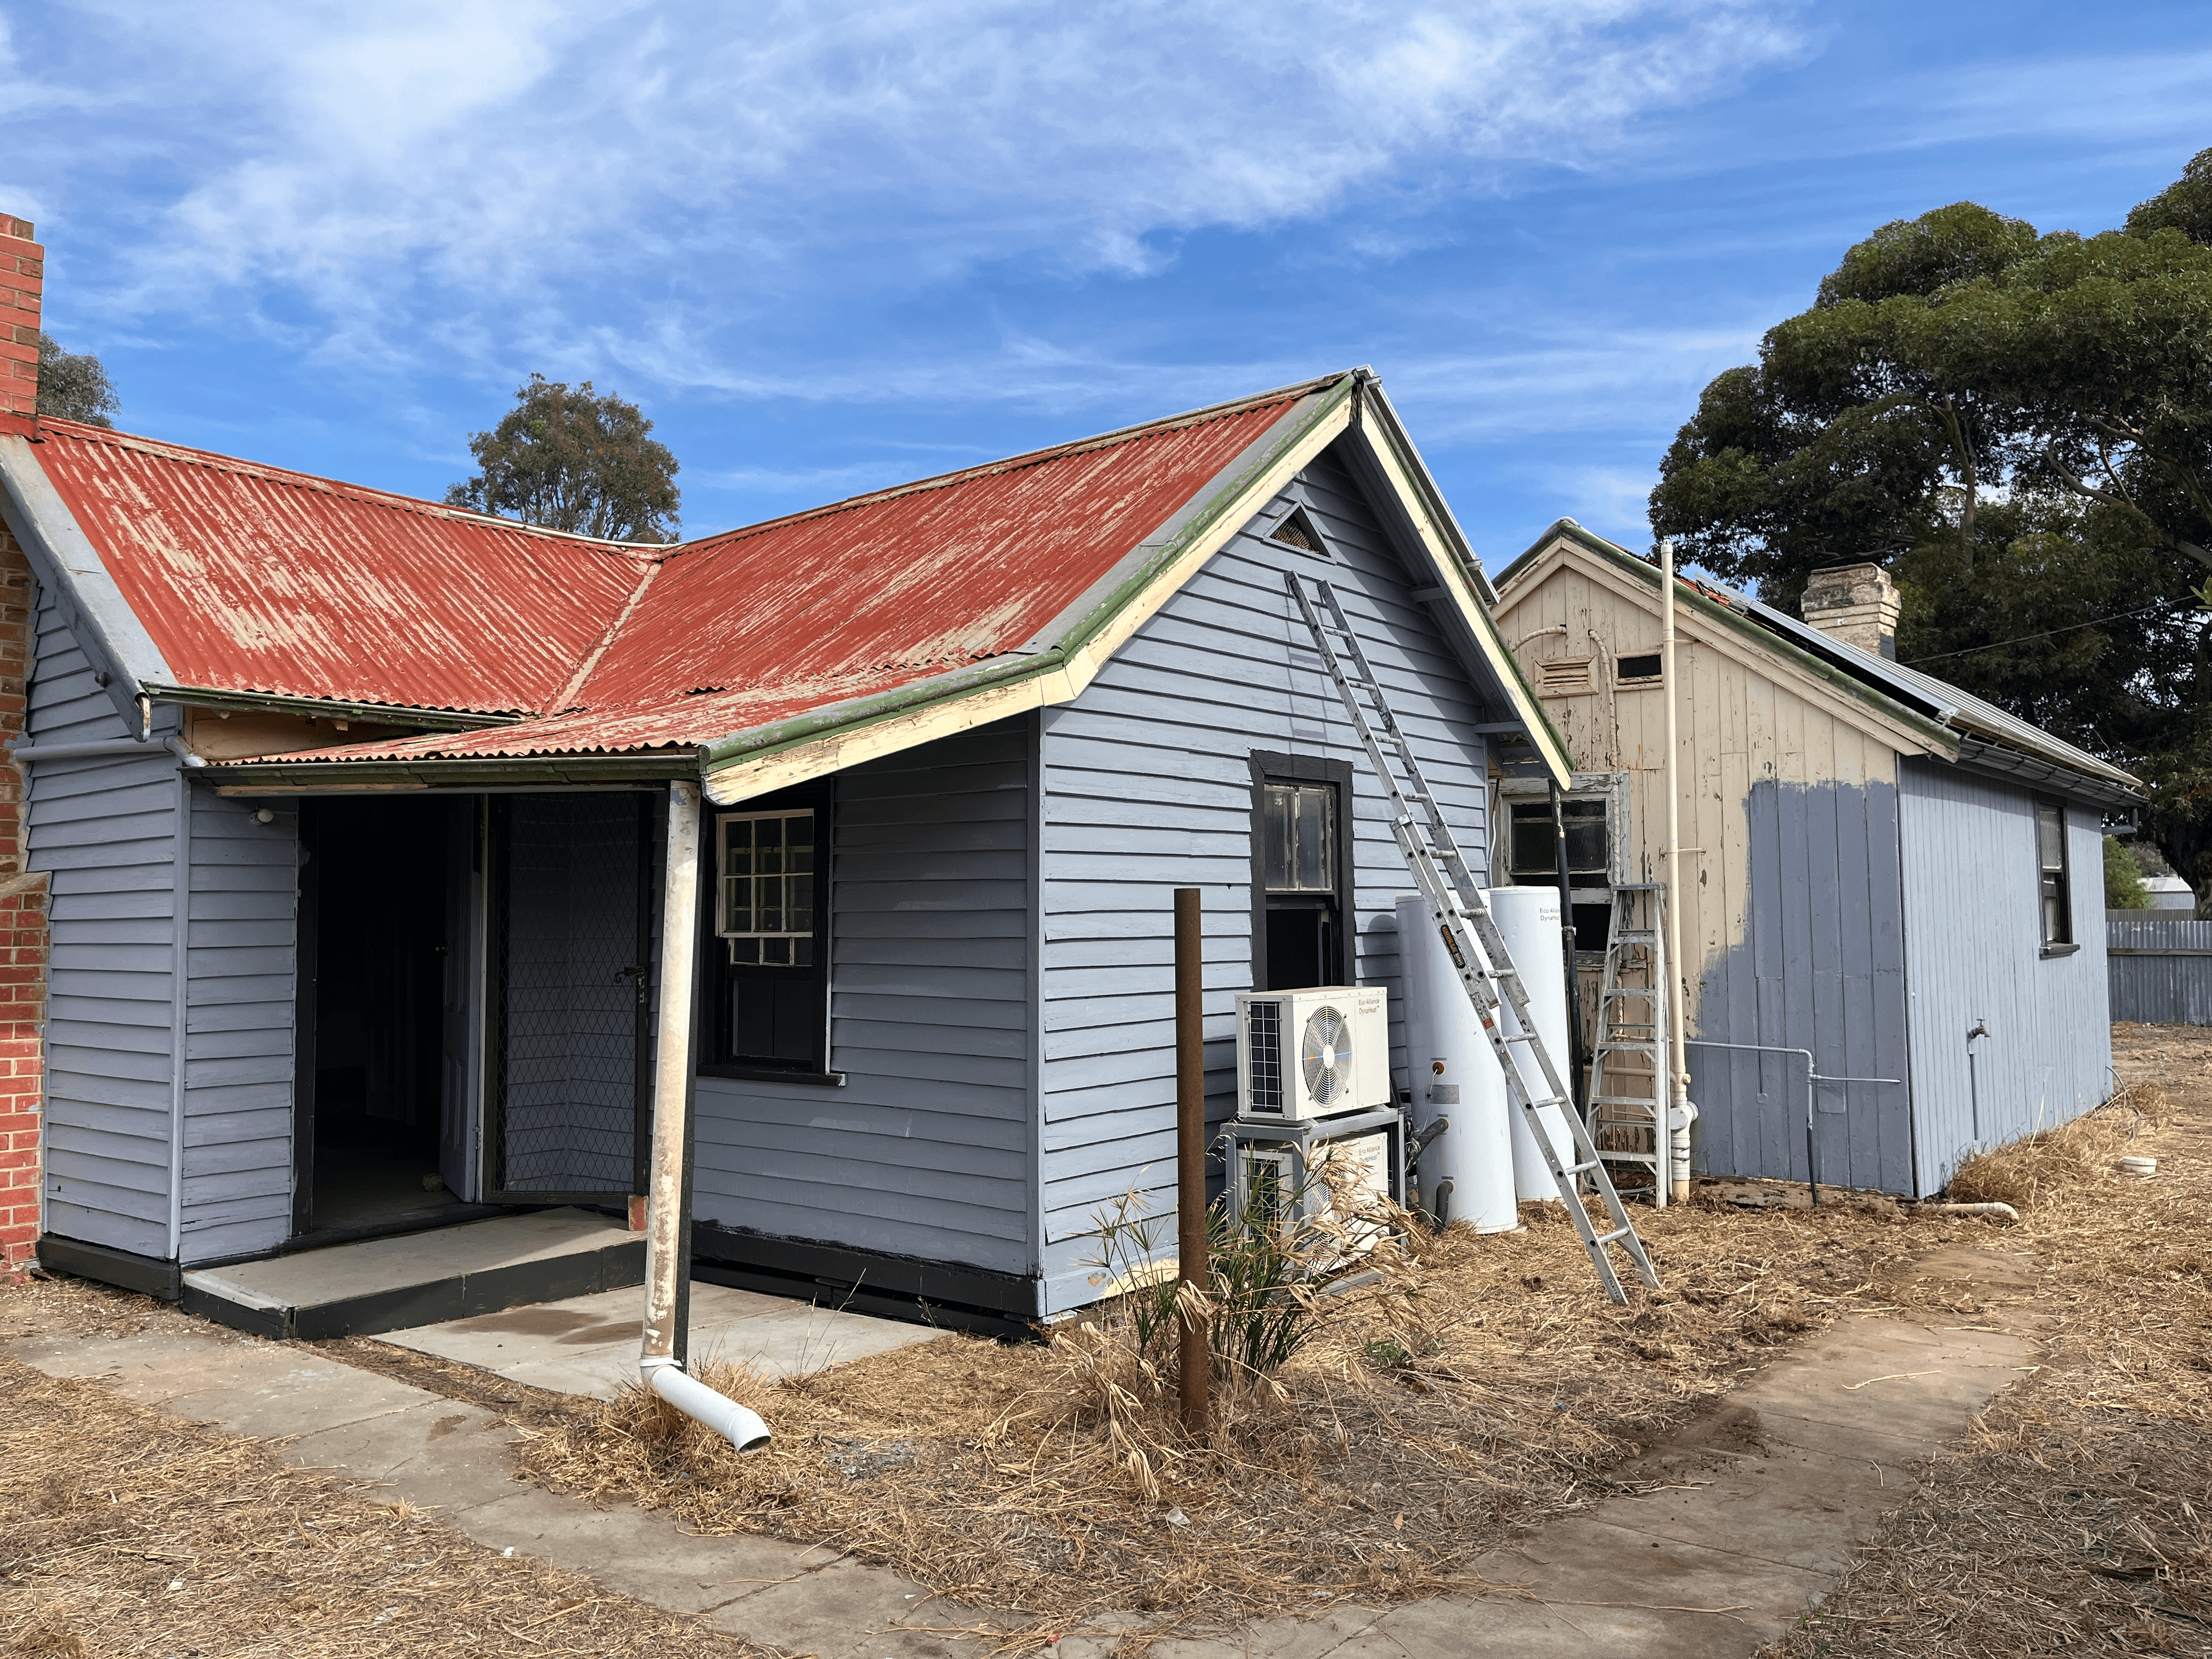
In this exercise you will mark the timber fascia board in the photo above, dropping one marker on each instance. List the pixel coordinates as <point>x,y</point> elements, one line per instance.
<point>1740,639</point>
<point>106,629</point>
<point>1453,563</point>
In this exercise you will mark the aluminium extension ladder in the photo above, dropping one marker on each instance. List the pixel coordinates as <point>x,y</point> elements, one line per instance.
<point>1627,1095</point>
<point>1472,939</point>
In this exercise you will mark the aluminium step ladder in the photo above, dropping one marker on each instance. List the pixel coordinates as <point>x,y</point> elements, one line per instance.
<point>1471,938</point>
<point>1626,1100</point>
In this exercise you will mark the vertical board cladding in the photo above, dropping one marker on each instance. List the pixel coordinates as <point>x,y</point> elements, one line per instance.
<point>925,1151</point>
<point>2158,967</point>
<point>1973,943</point>
<point>241,960</point>
<point>1792,922</point>
<point>1148,788</point>
<point>104,832</point>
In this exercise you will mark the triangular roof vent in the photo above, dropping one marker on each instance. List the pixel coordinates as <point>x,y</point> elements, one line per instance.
<point>1297,530</point>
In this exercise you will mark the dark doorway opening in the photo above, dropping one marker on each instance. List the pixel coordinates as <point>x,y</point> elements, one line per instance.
<point>378,939</point>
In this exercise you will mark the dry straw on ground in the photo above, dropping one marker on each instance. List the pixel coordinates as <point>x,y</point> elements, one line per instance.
<point>1429,1419</point>
<point>124,1534</point>
<point>2076,1518</point>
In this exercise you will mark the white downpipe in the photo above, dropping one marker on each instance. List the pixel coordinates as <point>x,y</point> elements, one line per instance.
<point>1680,1113</point>
<point>671,1076</point>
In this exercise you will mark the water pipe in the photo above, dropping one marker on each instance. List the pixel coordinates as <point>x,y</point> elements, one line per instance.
<point>1812,1077</point>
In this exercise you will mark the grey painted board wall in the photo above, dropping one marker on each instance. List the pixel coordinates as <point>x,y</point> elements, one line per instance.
<point>2158,967</point>
<point>925,1152</point>
<point>1973,942</point>
<point>1821,967</point>
<point>104,830</point>
<point>242,956</point>
<point>1148,787</point>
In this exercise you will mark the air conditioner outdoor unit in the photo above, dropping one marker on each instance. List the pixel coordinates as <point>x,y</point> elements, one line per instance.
<point>1311,1053</point>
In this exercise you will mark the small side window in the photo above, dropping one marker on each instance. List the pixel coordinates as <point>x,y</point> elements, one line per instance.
<point>2051,860</point>
<point>1637,670</point>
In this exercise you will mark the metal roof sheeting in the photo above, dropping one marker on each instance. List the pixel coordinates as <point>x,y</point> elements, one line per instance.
<point>254,580</point>
<point>251,579</point>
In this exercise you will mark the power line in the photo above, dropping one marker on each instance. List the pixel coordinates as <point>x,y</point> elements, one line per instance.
<point>2051,633</point>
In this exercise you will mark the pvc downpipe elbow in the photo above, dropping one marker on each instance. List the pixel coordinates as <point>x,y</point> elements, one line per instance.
<point>738,1425</point>
<point>1678,1120</point>
<point>2003,1212</point>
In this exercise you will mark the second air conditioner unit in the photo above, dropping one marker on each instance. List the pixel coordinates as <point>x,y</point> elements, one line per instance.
<point>1311,1053</point>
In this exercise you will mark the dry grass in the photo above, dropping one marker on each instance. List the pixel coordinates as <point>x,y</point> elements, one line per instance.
<point>1427,1422</point>
<point>2077,1516</point>
<point>124,1532</point>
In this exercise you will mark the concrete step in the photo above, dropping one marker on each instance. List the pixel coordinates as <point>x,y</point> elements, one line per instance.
<point>378,1285</point>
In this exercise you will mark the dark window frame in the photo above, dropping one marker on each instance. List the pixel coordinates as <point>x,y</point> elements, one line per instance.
<point>2054,883</point>
<point>717,975</point>
<point>1271,767</point>
<point>1639,678</point>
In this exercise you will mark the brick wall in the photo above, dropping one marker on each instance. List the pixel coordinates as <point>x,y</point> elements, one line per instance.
<point>23,940</point>
<point>22,895</point>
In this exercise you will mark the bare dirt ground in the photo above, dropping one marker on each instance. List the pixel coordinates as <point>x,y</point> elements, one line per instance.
<point>2077,1517</point>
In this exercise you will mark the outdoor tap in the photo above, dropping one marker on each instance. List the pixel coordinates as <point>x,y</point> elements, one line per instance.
<point>1980,1028</point>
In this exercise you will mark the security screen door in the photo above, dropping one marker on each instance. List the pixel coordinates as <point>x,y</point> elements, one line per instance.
<point>572,930</point>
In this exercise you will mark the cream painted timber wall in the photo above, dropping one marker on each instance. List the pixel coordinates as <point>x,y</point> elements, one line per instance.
<point>1745,715</point>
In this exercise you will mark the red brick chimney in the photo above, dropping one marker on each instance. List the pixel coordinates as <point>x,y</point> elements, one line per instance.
<point>22,893</point>
<point>22,287</point>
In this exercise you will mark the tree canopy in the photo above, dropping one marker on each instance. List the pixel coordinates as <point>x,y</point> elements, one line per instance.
<point>571,458</point>
<point>74,387</point>
<point>2019,426</point>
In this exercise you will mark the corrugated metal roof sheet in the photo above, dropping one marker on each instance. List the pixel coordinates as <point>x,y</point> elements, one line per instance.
<point>251,579</point>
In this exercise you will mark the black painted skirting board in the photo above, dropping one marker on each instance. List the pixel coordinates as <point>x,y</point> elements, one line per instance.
<point>610,1267</point>
<point>147,1275</point>
<point>886,1287</point>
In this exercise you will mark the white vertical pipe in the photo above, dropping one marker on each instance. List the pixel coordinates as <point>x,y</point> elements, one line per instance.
<point>672,1077</point>
<point>1675,1136</point>
<point>181,963</point>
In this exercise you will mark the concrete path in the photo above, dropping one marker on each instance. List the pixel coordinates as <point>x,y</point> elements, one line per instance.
<point>588,1345</point>
<point>1747,1518</point>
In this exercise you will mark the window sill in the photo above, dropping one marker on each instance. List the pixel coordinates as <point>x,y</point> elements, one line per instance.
<point>2060,950</point>
<point>776,1075</point>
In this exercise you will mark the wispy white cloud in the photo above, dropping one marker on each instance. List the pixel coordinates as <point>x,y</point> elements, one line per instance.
<point>442,179</point>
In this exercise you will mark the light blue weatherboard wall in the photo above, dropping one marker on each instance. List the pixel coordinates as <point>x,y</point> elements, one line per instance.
<point>926,1150</point>
<point>1148,788</point>
<point>1972,939</point>
<point>1821,967</point>
<point>105,829</point>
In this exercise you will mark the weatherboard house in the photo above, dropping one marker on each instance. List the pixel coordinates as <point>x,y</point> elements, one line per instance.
<point>352,809</point>
<point>1884,878</point>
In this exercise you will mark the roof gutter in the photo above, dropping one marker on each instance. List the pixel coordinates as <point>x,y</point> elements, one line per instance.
<point>469,773</point>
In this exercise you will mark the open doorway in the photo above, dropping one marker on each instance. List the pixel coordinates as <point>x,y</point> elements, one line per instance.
<point>383,973</point>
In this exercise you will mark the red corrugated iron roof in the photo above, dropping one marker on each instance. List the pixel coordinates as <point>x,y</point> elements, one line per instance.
<point>251,579</point>
<point>254,580</point>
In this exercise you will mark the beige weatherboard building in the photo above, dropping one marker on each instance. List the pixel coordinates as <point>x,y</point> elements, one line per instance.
<point>1880,872</point>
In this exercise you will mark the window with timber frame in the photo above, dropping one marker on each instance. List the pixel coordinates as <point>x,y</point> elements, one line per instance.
<point>2055,884</point>
<point>1302,872</point>
<point>767,980</point>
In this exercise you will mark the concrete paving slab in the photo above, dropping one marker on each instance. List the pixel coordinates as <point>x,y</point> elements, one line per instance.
<point>588,1345</point>
<point>378,1285</point>
<point>440,1455</point>
<point>847,1610</point>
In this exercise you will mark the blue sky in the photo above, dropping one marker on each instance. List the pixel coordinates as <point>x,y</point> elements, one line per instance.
<point>829,248</point>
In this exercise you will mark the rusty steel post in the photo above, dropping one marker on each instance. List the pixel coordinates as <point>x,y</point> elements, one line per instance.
<point>1190,1154</point>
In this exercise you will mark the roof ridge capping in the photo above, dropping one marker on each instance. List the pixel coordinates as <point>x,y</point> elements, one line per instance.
<point>369,495</point>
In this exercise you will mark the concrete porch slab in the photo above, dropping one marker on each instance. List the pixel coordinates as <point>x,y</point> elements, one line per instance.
<point>379,1284</point>
<point>588,1345</point>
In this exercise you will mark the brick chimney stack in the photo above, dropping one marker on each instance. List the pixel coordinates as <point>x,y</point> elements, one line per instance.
<point>1856,604</point>
<point>23,284</point>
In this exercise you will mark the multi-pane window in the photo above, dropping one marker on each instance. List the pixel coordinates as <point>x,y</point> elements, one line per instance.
<point>1298,827</point>
<point>1536,842</point>
<point>2050,860</point>
<point>766,911</point>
